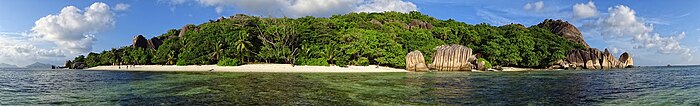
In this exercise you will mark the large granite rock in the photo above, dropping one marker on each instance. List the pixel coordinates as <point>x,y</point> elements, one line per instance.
<point>184,30</point>
<point>626,60</point>
<point>589,64</point>
<point>140,41</point>
<point>155,42</point>
<point>564,29</point>
<point>420,24</point>
<point>481,66</point>
<point>415,61</point>
<point>452,58</point>
<point>79,65</point>
<point>609,61</point>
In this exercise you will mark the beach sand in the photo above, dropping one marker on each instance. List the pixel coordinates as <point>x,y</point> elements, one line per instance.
<point>249,68</point>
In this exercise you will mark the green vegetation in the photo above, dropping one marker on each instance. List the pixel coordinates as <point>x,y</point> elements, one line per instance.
<point>487,64</point>
<point>350,39</point>
<point>229,62</point>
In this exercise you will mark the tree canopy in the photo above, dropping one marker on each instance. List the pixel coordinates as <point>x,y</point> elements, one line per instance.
<point>349,39</point>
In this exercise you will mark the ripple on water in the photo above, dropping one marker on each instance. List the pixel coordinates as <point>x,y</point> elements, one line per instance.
<point>636,86</point>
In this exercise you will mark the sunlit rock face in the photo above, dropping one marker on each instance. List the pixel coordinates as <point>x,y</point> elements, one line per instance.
<point>564,29</point>
<point>452,58</point>
<point>140,41</point>
<point>415,62</point>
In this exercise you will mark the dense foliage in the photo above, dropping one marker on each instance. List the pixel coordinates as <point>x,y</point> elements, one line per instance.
<point>229,62</point>
<point>350,39</point>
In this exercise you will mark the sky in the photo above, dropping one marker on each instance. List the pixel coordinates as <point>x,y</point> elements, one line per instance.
<point>53,31</point>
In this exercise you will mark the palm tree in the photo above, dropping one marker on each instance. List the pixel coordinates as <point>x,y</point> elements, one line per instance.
<point>242,43</point>
<point>171,58</point>
<point>219,49</point>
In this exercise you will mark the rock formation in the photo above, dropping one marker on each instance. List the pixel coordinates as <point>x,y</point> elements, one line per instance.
<point>420,24</point>
<point>140,41</point>
<point>626,60</point>
<point>153,43</point>
<point>446,58</point>
<point>415,61</point>
<point>564,29</point>
<point>481,66</point>
<point>592,58</point>
<point>79,65</point>
<point>452,58</point>
<point>184,30</point>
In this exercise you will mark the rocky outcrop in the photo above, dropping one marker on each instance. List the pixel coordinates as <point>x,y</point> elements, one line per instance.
<point>592,58</point>
<point>445,58</point>
<point>452,58</point>
<point>153,43</point>
<point>140,41</point>
<point>184,30</point>
<point>79,65</point>
<point>626,60</point>
<point>564,29</point>
<point>75,65</point>
<point>420,24</point>
<point>415,62</point>
<point>481,66</point>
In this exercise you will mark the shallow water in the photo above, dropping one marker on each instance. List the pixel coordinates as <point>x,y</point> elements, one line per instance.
<point>636,86</point>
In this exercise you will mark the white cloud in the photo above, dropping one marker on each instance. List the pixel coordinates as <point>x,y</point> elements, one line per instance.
<point>176,2</point>
<point>300,8</point>
<point>386,5</point>
<point>622,22</point>
<point>585,10</point>
<point>16,49</point>
<point>121,7</point>
<point>537,6</point>
<point>74,29</point>
<point>614,50</point>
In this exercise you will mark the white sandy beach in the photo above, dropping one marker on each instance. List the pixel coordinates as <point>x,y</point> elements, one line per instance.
<point>249,68</point>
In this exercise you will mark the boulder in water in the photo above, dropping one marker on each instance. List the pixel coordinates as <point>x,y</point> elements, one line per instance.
<point>626,60</point>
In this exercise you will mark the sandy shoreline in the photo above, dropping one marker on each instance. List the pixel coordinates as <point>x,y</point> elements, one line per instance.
<point>249,68</point>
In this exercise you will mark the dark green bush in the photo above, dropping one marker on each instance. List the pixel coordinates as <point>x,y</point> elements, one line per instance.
<point>229,62</point>
<point>312,62</point>
<point>181,63</point>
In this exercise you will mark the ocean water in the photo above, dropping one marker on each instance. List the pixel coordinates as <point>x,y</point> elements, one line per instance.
<point>635,86</point>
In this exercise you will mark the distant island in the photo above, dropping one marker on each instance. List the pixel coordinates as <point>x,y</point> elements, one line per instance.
<point>35,65</point>
<point>361,39</point>
<point>5,65</point>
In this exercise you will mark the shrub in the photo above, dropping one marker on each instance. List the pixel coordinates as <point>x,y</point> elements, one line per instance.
<point>181,63</point>
<point>229,62</point>
<point>487,65</point>
<point>311,62</point>
<point>362,61</point>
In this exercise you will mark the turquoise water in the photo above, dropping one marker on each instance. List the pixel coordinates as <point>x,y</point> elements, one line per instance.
<point>636,86</point>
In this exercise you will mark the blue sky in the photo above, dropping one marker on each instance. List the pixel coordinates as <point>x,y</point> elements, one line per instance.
<point>655,32</point>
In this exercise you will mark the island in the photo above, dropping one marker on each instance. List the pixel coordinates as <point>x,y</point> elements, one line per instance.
<point>367,40</point>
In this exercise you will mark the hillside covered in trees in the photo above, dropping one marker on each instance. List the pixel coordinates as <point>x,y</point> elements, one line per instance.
<point>351,39</point>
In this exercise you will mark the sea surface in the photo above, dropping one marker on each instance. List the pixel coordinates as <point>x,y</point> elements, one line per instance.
<point>635,86</point>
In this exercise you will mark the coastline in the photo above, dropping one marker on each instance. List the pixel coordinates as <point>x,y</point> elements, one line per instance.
<point>250,68</point>
<point>276,68</point>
